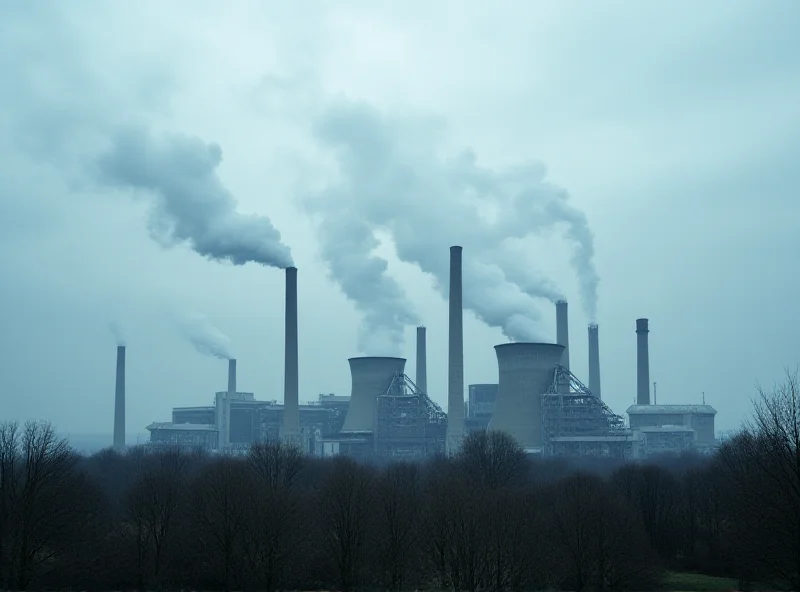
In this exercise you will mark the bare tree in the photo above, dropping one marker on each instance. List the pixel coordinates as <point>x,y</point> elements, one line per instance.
<point>599,541</point>
<point>152,505</point>
<point>219,511</point>
<point>399,501</point>
<point>42,500</point>
<point>344,504</point>
<point>762,468</point>
<point>493,459</point>
<point>271,528</point>
<point>655,493</point>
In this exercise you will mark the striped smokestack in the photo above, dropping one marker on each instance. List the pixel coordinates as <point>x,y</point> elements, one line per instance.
<point>119,402</point>
<point>455,387</point>
<point>291,404</point>
<point>642,363</point>
<point>594,362</point>
<point>422,360</point>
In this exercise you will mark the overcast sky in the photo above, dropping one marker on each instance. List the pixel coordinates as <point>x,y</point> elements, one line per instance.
<point>671,128</point>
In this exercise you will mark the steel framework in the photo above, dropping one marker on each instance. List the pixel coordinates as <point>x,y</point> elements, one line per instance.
<point>576,412</point>
<point>408,424</point>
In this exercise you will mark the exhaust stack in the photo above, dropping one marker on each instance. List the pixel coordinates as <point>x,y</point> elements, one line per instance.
<point>231,377</point>
<point>371,377</point>
<point>562,338</point>
<point>642,363</point>
<point>291,404</point>
<point>422,360</point>
<point>119,402</point>
<point>562,330</point>
<point>594,362</point>
<point>455,379</point>
<point>525,372</point>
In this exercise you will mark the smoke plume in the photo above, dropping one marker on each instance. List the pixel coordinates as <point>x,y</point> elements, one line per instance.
<point>392,177</point>
<point>207,339</point>
<point>189,202</point>
<point>116,331</point>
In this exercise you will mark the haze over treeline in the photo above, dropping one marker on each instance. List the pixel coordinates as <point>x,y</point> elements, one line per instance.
<point>489,518</point>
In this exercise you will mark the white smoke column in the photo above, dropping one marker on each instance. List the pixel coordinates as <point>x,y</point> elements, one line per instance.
<point>116,331</point>
<point>392,178</point>
<point>189,203</point>
<point>207,339</point>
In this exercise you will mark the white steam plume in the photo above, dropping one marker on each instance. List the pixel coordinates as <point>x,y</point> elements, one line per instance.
<point>393,178</point>
<point>207,339</point>
<point>116,331</point>
<point>189,202</point>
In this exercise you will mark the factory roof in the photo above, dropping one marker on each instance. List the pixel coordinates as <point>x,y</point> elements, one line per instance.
<point>187,427</point>
<point>195,408</point>
<point>656,409</point>
<point>665,428</point>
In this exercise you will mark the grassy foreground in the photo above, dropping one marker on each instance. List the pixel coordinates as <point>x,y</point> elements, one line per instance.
<point>691,582</point>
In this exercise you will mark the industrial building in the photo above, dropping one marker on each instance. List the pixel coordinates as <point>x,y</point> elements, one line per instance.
<point>537,399</point>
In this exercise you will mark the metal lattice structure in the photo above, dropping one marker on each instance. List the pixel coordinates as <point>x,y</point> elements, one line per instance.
<point>575,413</point>
<point>408,424</point>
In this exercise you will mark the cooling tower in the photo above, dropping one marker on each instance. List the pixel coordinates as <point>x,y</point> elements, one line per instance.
<point>642,363</point>
<point>525,373</point>
<point>371,377</point>
<point>119,401</point>
<point>562,330</point>
<point>422,360</point>
<point>594,362</point>
<point>455,368</point>
<point>291,404</point>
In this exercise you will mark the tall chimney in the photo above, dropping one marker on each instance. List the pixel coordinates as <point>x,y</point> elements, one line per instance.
<point>642,363</point>
<point>562,330</point>
<point>422,361</point>
<point>594,362</point>
<point>291,404</point>
<point>562,339</point>
<point>231,377</point>
<point>119,402</point>
<point>455,387</point>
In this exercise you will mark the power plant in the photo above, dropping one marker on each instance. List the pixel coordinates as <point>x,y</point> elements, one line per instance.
<point>537,400</point>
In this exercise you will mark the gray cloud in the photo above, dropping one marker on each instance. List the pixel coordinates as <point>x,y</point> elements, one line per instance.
<point>188,201</point>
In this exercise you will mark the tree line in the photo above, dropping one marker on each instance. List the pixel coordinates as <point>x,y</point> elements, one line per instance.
<point>488,518</point>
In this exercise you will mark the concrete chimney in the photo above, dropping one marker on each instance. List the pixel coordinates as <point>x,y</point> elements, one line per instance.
<point>455,380</point>
<point>231,378</point>
<point>642,363</point>
<point>119,402</point>
<point>291,403</point>
<point>594,362</point>
<point>562,330</point>
<point>422,360</point>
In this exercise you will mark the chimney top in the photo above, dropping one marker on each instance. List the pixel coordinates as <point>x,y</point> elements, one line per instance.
<point>641,325</point>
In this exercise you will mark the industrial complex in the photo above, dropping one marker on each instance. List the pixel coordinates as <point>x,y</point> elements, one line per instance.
<point>537,400</point>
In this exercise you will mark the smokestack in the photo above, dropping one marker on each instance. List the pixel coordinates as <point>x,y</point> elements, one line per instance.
<point>371,377</point>
<point>525,371</point>
<point>562,330</point>
<point>291,404</point>
<point>455,386</point>
<point>422,360</point>
<point>231,377</point>
<point>594,362</point>
<point>642,363</point>
<point>119,402</point>
<point>562,339</point>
